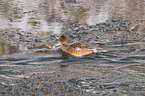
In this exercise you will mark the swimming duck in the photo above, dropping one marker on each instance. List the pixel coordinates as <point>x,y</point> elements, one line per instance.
<point>77,49</point>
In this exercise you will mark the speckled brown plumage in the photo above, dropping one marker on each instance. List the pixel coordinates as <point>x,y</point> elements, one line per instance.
<point>76,49</point>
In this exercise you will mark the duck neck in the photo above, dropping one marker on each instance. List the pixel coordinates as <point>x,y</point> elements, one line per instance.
<point>64,47</point>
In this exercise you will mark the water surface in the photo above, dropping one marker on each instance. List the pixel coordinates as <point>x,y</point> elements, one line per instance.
<point>42,70</point>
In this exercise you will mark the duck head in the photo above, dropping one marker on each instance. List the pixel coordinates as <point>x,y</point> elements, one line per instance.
<point>63,39</point>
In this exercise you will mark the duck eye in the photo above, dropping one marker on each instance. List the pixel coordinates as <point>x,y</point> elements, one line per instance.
<point>63,37</point>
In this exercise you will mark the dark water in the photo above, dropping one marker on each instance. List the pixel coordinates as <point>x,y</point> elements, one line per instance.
<point>118,72</point>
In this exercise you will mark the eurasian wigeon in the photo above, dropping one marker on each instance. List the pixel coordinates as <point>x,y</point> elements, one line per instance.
<point>77,49</point>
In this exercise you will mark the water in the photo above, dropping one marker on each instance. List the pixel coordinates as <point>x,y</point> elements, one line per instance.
<point>31,60</point>
<point>43,70</point>
<point>50,16</point>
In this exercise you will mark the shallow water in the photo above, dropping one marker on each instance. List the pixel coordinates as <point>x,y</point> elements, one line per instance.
<point>31,60</point>
<point>118,72</point>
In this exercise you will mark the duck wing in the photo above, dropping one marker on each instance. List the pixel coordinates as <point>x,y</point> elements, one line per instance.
<point>79,46</point>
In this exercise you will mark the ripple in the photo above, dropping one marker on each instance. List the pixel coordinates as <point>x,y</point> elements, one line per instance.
<point>46,71</point>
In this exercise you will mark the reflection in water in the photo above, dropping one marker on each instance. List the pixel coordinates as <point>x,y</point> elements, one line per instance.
<point>2,48</point>
<point>48,16</point>
<point>119,71</point>
<point>31,62</point>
